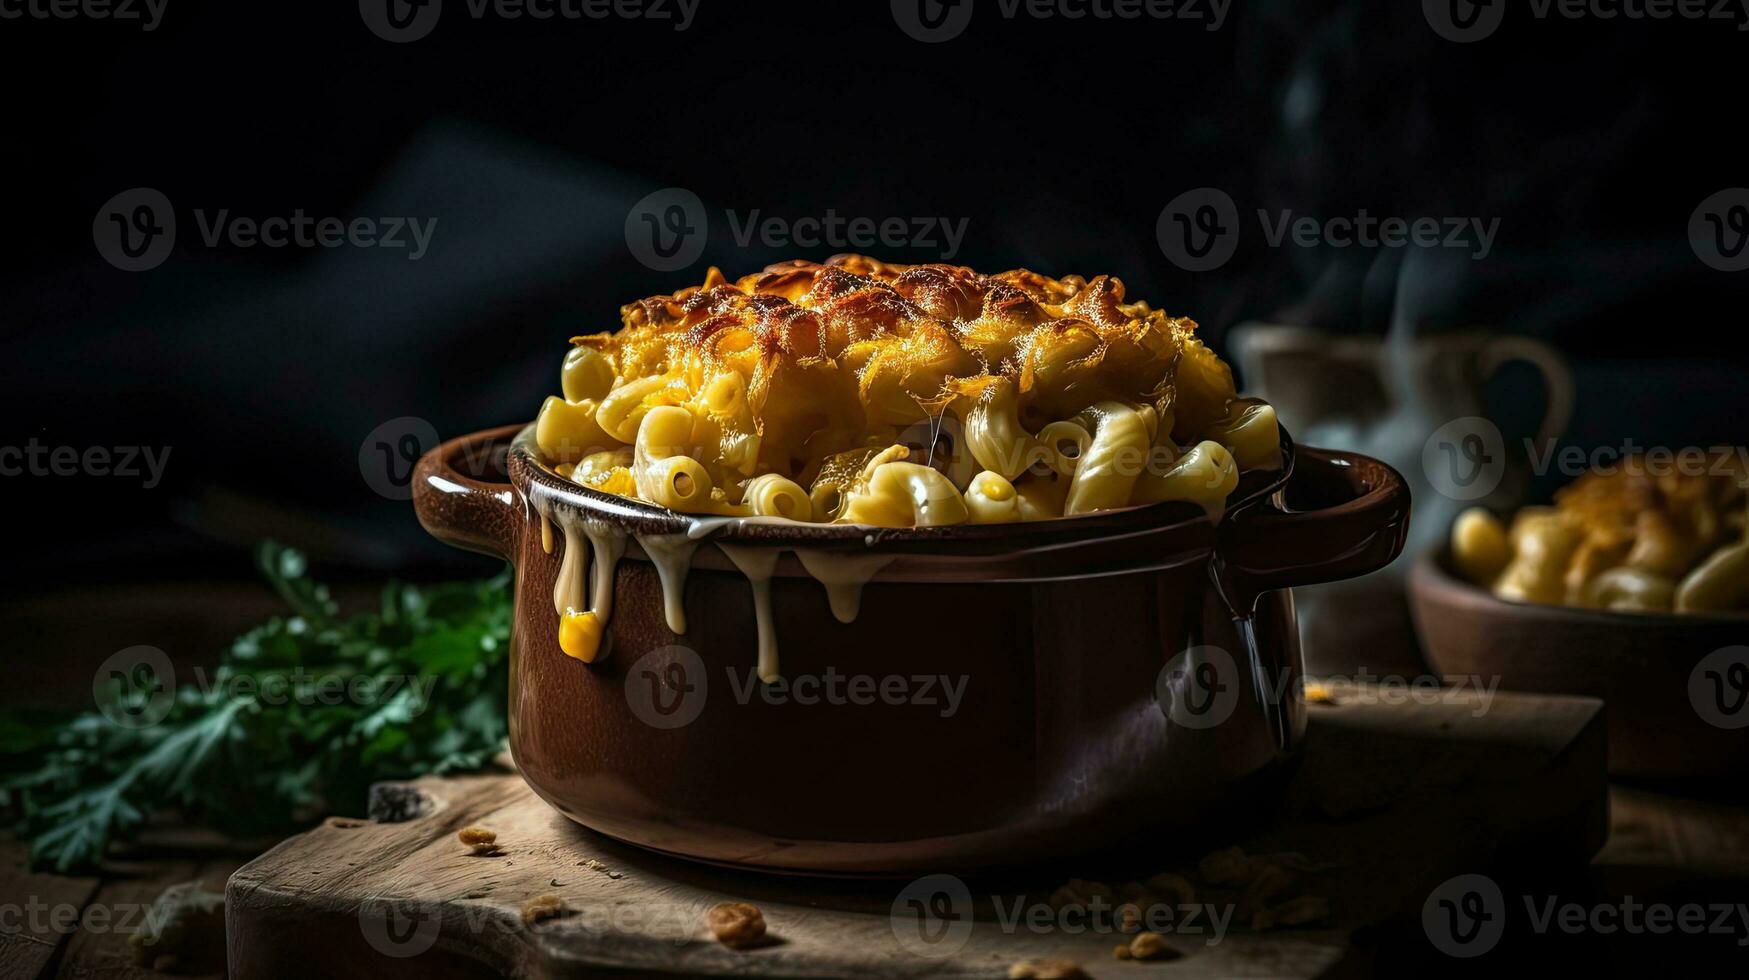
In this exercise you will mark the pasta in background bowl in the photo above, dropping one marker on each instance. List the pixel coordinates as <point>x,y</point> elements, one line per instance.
<point>902,396</point>
<point>1030,490</point>
<point>1633,588</point>
<point>1633,538</point>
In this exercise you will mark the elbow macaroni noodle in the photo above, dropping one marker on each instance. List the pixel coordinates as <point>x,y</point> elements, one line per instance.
<point>1628,540</point>
<point>902,396</point>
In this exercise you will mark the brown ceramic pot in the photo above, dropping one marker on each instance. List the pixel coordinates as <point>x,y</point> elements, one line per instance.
<point>1108,692</point>
<point>1674,704</point>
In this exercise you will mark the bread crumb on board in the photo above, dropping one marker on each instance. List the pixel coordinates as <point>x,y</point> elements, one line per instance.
<point>736,925</point>
<point>542,907</point>
<point>482,841</point>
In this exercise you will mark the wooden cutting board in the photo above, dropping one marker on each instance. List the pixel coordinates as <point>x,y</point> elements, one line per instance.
<point>1392,798</point>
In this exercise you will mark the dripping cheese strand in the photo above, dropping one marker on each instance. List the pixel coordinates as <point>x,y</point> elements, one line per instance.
<point>758,564</point>
<point>672,556</point>
<point>843,576</point>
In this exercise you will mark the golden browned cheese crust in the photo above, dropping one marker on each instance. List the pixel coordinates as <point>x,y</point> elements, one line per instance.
<point>832,353</point>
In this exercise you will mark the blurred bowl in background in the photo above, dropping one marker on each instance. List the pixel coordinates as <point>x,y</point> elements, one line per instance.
<point>1676,687</point>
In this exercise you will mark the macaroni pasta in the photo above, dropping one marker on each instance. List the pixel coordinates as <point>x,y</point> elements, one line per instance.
<point>902,396</point>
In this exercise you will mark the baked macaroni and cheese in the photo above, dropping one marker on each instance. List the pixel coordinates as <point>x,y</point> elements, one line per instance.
<point>1638,538</point>
<point>902,396</point>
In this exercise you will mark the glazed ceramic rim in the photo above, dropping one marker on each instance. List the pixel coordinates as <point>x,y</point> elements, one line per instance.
<point>641,516</point>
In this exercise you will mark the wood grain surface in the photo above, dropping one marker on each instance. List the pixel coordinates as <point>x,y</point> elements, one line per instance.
<point>1393,796</point>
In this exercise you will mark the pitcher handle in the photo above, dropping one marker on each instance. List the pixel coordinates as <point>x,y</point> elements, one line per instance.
<point>1557,379</point>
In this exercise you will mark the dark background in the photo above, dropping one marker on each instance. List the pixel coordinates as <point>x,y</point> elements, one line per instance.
<point>264,369</point>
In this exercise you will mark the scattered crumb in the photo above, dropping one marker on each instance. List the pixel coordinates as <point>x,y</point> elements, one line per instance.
<point>1046,970</point>
<point>736,925</point>
<point>1149,946</point>
<point>595,865</point>
<point>1120,952</point>
<point>1316,693</point>
<point>544,907</point>
<point>483,841</point>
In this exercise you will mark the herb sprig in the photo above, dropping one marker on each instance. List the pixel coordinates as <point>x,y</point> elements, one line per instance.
<point>262,744</point>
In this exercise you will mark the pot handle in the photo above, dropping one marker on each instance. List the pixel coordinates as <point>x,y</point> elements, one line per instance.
<point>1345,515</point>
<point>462,496</point>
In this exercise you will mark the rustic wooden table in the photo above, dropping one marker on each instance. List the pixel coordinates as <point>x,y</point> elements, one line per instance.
<point>1418,804</point>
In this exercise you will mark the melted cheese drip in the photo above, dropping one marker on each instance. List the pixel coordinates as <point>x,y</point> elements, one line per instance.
<point>568,586</point>
<point>672,556</point>
<point>843,576</point>
<point>758,564</point>
<point>581,629</point>
<point>609,544</point>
